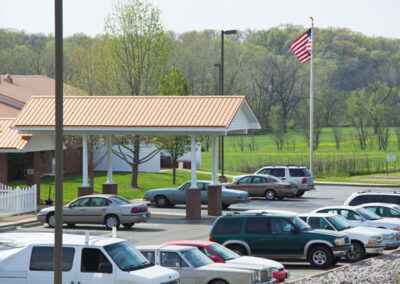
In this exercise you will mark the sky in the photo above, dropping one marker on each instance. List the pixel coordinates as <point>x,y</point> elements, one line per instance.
<point>370,17</point>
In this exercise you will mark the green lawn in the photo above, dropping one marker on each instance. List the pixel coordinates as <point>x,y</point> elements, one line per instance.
<point>242,155</point>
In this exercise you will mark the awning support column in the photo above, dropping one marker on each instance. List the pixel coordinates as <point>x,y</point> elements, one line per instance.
<point>109,160</point>
<point>85,161</point>
<point>193,163</point>
<point>214,160</point>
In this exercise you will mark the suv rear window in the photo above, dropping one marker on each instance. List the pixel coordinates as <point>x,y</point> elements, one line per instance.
<point>361,199</point>
<point>277,172</point>
<point>296,173</point>
<point>228,226</point>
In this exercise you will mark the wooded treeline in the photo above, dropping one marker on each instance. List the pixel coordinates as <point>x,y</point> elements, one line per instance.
<point>357,78</point>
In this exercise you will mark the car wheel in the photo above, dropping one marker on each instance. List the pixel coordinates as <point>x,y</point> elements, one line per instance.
<point>240,250</point>
<point>128,225</point>
<point>112,221</point>
<point>320,257</point>
<point>162,201</point>
<point>270,194</point>
<point>51,220</point>
<point>71,225</point>
<point>356,254</point>
<point>300,193</point>
<point>218,281</point>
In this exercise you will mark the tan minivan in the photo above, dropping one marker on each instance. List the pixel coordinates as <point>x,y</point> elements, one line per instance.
<point>263,185</point>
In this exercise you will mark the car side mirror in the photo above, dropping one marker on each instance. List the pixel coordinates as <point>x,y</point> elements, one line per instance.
<point>105,267</point>
<point>293,231</point>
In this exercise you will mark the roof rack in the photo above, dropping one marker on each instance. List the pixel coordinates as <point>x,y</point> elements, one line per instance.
<point>113,234</point>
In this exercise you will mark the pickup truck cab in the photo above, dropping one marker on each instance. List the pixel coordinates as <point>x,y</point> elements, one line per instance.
<point>28,259</point>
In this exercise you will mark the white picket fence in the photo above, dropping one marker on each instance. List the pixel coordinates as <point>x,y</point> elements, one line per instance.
<point>17,200</point>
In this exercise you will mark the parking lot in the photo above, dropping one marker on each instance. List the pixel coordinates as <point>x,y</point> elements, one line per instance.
<point>170,224</point>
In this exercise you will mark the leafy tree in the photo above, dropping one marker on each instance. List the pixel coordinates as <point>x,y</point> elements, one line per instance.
<point>173,84</point>
<point>138,47</point>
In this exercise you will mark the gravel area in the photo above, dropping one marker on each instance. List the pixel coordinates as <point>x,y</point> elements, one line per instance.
<point>383,269</point>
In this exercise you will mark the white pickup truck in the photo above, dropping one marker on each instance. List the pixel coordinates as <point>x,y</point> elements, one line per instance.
<point>28,259</point>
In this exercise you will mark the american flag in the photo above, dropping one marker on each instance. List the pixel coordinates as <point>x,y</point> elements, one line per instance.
<point>302,47</point>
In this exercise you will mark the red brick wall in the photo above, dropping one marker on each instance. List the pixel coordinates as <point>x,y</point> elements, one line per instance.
<point>72,161</point>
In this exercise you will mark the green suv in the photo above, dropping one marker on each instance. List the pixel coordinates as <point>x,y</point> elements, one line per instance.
<point>279,234</point>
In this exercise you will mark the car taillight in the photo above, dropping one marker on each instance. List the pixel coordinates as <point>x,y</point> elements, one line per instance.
<point>210,238</point>
<point>304,180</point>
<point>239,197</point>
<point>288,186</point>
<point>138,209</point>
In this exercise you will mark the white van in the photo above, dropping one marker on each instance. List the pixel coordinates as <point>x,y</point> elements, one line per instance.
<point>27,258</point>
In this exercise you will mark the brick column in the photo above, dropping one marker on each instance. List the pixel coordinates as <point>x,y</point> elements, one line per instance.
<point>3,168</point>
<point>110,188</point>
<point>85,190</point>
<point>214,200</point>
<point>193,203</point>
<point>33,171</point>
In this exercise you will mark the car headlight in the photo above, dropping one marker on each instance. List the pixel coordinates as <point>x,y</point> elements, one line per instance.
<point>374,240</point>
<point>41,213</point>
<point>340,242</point>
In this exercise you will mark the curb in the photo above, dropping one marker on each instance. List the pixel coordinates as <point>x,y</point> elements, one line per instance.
<point>22,222</point>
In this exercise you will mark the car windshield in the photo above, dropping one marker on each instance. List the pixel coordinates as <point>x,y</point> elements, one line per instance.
<point>196,258</point>
<point>126,256</point>
<point>340,223</point>
<point>224,252</point>
<point>368,214</point>
<point>300,224</point>
<point>120,200</point>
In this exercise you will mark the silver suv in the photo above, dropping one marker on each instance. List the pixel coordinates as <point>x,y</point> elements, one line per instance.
<point>299,176</point>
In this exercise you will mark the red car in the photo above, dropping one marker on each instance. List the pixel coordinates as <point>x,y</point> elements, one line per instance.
<point>219,253</point>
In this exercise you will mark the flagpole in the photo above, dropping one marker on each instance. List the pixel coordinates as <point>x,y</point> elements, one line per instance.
<point>312,96</point>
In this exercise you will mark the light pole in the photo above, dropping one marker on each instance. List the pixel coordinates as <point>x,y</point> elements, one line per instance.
<point>222,178</point>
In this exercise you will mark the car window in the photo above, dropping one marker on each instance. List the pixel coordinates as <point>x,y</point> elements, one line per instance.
<point>172,259</point>
<point>81,202</point>
<point>389,212</point>
<point>207,252</point>
<point>42,259</point>
<point>186,185</point>
<point>120,200</point>
<point>296,173</point>
<point>349,215</point>
<point>91,260</point>
<point>257,226</point>
<point>245,180</point>
<point>228,226</point>
<point>303,218</point>
<point>264,171</point>
<point>361,199</point>
<point>307,172</point>
<point>196,258</point>
<point>277,172</point>
<point>98,201</point>
<point>273,179</point>
<point>257,180</point>
<point>281,226</point>
<point>319,223</point>
<point>150,256</point>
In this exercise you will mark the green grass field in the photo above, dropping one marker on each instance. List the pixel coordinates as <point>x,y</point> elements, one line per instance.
<point>242,155</point>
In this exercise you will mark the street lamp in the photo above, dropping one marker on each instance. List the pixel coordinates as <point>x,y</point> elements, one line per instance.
<point>222,178</point>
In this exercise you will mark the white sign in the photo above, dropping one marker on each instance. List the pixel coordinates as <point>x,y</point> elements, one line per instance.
<point>30,171</point>
<point>391,158</point>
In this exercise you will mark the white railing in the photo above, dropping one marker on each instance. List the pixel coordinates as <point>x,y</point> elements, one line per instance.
<point>17,200</point>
